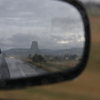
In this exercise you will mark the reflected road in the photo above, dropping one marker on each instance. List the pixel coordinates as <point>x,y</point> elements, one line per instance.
<point>4,71</point>
<point>15,68</point>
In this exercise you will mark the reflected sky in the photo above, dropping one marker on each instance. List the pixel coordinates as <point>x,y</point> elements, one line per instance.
<point>54,25</point>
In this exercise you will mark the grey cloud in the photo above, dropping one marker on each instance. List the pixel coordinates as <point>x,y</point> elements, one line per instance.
<point>23,40</point>
<point>23,21</point>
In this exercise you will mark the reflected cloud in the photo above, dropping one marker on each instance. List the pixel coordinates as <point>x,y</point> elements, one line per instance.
<point>36,20</point>
<point>63,42</point>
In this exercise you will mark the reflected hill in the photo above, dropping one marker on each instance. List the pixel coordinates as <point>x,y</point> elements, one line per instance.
<point>34,49</point>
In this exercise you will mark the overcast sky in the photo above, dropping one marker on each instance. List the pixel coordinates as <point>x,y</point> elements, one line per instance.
<point>54,25</point>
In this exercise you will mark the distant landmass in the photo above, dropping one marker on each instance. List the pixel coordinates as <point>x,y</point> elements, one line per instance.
<point>34,49</point>
<point>23,51</point>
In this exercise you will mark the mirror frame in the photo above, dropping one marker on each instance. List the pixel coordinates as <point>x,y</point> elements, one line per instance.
<point>57,76</point>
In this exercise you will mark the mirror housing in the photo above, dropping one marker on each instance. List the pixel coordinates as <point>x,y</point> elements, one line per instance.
<point>66,75</point>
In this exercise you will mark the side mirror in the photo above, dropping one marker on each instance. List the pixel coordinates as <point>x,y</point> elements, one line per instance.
<point>42,41</point>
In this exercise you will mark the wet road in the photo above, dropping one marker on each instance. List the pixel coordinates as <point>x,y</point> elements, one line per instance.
<point>15,68</point>
<point>4,71</point>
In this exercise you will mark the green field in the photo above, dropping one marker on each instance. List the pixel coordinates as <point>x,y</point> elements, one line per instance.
<point>85,87</point>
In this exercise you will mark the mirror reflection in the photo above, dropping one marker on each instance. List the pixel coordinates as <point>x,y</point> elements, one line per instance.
<point>38,37</point>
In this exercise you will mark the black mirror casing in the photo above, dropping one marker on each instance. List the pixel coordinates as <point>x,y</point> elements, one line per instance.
<point>57,76</point>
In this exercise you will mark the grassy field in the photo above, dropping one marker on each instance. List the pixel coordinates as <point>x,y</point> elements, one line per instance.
<point>53,66</point>
<point>85,87</point>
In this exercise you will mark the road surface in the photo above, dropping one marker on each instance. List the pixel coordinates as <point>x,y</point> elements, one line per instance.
<point>15,68</point>
<point>4,71</point>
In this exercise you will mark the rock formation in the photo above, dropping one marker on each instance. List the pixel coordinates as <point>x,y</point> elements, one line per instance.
<point>34,48</point>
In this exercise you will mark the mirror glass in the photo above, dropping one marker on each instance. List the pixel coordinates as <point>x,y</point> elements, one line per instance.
<point>38,37</point>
